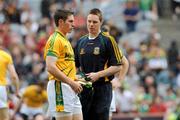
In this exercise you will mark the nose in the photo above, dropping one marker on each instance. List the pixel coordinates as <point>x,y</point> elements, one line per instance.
<point>91,23</point>
<point>73,24</point>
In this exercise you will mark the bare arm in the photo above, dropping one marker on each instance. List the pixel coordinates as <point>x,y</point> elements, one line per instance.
<point>120,75</point>
<point>14,77</point>
<point>123,69</point>
<point>53,70</point>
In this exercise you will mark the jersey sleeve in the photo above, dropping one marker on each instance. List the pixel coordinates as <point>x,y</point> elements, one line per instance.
<point>10,61</point>
<point>54,46</point>
<point>115,54</point>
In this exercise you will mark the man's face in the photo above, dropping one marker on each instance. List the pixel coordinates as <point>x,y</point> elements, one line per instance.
<point>69,24</point>
<point>93,24</point>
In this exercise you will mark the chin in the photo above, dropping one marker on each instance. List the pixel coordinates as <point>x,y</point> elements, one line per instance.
<point>70,31</point>
<point>90,31</point>
<point>93,33</point>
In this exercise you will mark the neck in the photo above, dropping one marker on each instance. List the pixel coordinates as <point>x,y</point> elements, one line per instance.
<point>62,32</point>
<point>93,35</point>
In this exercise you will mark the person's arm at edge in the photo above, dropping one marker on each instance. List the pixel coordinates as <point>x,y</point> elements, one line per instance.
<point>14,77</point>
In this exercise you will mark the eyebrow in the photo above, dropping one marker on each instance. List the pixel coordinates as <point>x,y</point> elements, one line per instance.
<point>70,20</point>
<point>94,21</point>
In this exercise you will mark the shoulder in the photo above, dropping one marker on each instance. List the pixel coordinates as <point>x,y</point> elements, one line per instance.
<point>44,93</point>
<point>54,37</point>
<point>5,54</point>
<point>54,40</point>
<point>82,39</point>
<point>31,87</point>
<point>107,38</point>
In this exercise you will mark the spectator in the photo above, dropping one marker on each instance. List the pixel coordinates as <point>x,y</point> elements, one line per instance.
<point>32,101</point>
<point>157,105</point>
<point>172,55</point>
<point>131,15</point>
<point>149,9</point>
<point>6,65</point>
<point>175,4</point>
<point>45,9</point>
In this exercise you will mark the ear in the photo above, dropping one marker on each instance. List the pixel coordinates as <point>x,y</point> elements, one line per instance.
<point>60,21</point>
<point>102,22</point>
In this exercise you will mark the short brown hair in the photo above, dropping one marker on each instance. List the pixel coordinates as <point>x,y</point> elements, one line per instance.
<point>61,14</point>
<point>96,11</point>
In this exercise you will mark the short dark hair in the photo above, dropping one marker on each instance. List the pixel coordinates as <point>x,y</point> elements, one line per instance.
<point>96,11</point>
<point>62,14</point>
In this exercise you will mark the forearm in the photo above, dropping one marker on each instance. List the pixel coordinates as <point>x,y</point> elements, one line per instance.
<point>14,77</point>
<point>16,83</point>
<point>109,71</point>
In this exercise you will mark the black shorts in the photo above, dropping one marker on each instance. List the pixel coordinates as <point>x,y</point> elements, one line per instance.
<point>96,102</point>
<point>26,117</point>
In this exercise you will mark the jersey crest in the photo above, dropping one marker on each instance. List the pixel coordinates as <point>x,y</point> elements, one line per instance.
<point>96,51</point>
<point>82,51</point>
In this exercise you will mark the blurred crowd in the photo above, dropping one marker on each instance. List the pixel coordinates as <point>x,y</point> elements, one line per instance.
<point>153,81</point>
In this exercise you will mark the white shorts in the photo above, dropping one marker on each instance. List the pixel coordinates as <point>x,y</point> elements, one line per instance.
<point>30,111</point>
<point>3,97</point>
<point>113,103</point>
<point>71,101</point>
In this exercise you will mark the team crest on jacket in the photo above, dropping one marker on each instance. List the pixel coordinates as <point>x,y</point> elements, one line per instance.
<point>82,51</point>
<point>96,51</point>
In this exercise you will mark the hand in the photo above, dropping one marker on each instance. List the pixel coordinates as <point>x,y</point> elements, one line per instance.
<point>116,83</point>
<point>93,76</point>
<point>76,87</point>
<point>17,94</point>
